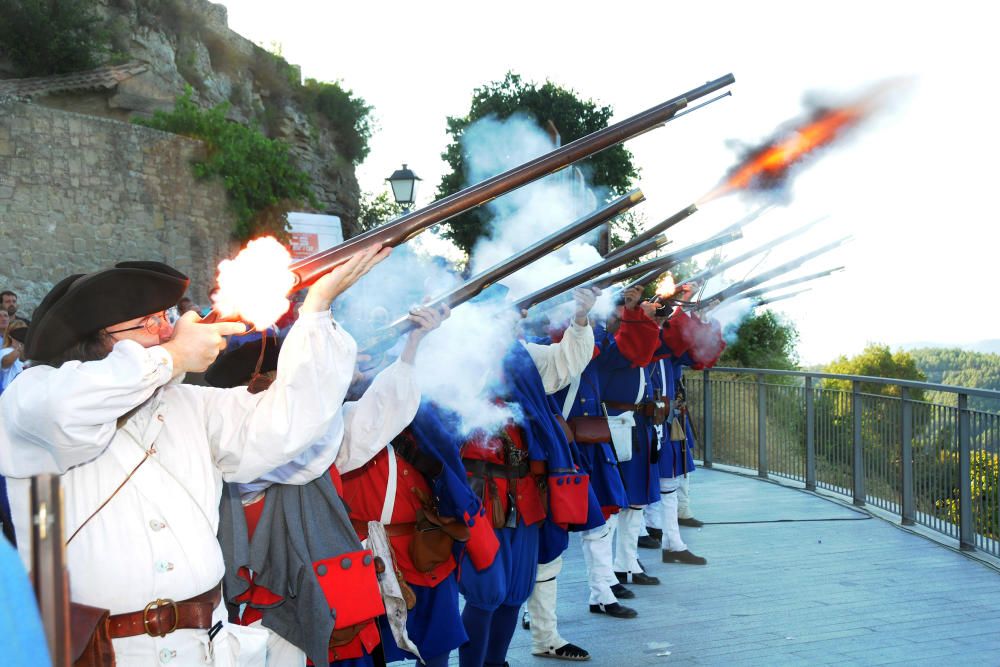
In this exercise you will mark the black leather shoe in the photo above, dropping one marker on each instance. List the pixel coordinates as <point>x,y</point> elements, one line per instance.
<point>638,578</point>
<point>649,542</point>
<point>685,557</point>
<point>690,523</point>
<point>621,592</point>
<point>614,609</point>
<point>655,533</point>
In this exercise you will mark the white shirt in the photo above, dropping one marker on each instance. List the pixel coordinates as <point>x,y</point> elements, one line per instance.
<point>560,362</point>
<point>157,537</point>
<point>387,407</point>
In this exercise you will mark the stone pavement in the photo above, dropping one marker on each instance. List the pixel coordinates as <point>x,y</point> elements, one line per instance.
<point>793,578</point>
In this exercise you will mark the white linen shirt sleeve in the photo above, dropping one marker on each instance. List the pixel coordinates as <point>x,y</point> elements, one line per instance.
<point>560,362</point>
<point>383,411</point>
<point>52,419</point>
<point>253,434</point>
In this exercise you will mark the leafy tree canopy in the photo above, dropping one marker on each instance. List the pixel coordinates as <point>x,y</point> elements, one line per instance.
<point>44,37</point>
<point>763,340</point>
<point>877,360</point>
<point>572,116</point>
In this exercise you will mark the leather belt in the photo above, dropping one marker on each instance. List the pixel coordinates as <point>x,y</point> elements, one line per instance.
<point>161,617</point>
<point>642,408</point>
<point>483,469</point>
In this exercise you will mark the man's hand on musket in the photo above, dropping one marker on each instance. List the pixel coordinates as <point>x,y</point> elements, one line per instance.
<point>585,298</point>
<point>631,297</point>
<point>335,283</point>
<point>195,345</point>
<point>686,292</point>
<point>427,320</point>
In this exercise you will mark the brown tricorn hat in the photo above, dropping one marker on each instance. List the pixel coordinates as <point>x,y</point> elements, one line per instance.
<point>83,304</point>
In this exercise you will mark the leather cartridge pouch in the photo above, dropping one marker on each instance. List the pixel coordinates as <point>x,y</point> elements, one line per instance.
<point>590,430</point>
<point>566,428</point>
<point>657,411</point>
<point>434,538</point>
<point>90,637</point>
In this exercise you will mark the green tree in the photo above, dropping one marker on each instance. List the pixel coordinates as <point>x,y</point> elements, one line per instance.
<point>574,117</point>
<point>877,360</point>
<point>763,340</point>
<point>349,114</point>
<point>44,37</point>
<point>374,210</point>
<point>262,182</point>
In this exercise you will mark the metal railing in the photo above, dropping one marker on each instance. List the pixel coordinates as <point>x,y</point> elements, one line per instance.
<point>926,452</point>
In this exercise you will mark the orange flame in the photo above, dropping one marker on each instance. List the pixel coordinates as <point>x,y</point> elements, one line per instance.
<point>255,285</point>
<point>768,165</point>
<point>666,287</point>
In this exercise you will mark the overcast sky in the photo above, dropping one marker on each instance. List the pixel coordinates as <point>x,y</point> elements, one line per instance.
<point>914,186</point>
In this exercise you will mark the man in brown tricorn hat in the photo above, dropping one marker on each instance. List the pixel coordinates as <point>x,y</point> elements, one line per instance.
<point>143,457</point>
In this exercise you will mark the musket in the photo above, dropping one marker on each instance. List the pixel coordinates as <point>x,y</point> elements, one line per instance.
<point>704,275</point>
<point>654,230</point>
<point>309,269</point>
<point>779,297</point>
<point>789,283</point>
<point>745,285</point>
<point>483,280</point>
<point>48,565</point>
<point>581,278</point>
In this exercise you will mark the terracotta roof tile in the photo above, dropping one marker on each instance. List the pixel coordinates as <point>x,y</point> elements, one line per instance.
<point>101,78</point>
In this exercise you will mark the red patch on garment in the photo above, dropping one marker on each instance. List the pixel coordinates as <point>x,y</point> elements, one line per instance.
<point>637,337</point>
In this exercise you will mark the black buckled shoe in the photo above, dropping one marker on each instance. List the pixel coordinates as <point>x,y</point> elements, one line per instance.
<point>691,522</point>
<point>621,592</point>
<point>685,557</point>
<point>564,652</point>
<point>614,609</point>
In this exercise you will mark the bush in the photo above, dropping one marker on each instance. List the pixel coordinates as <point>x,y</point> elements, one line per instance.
<point>262,183</point>
<point>44,37</point>
<point>350,116</point>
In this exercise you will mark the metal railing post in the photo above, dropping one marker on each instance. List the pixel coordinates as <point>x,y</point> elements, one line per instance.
<point>810,435</point>
<point>761,427</point>
<point>706,417</point>
<point>967,540</point>
<point>857,460</point>
<point>908,512</point>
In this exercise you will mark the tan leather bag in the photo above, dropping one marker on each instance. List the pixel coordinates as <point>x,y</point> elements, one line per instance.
<point>434,538</point>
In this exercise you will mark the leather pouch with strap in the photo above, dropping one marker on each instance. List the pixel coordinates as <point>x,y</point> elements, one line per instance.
<point>90,639</point>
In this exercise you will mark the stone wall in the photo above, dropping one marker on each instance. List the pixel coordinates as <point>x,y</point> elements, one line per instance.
<point>79,193</point>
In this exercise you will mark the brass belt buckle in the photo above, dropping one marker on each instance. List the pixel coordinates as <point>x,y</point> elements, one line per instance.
<point>154,606</point>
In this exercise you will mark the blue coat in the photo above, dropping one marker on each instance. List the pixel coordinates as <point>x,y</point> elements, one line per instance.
<point>620,383</point>
<point>675,455</point>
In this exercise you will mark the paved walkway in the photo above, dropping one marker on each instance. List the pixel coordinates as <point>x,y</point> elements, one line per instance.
<point>793,579</point>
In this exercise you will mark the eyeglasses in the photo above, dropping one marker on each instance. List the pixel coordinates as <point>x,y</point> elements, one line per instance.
<point>151,324</point>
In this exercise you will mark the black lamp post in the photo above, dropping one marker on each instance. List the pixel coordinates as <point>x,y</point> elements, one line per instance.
<point>404,186</point>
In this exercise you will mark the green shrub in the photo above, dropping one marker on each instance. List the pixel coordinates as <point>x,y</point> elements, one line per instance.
<point>44,37</point>
<point>349,115</point>
<point>262,183</point>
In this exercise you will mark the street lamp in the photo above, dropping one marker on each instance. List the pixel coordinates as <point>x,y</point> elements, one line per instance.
<point>404,186</point>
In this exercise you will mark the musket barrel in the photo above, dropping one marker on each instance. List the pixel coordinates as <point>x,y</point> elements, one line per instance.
<point>740,287</point>
<point>581,277</point>
<point>654,230</point>
<point>393,233</point>
<point>497,272</point>
<point>789,283</point>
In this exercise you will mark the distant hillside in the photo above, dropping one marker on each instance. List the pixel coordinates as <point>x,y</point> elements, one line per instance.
<point>991,346</point>
<point>963,368</point>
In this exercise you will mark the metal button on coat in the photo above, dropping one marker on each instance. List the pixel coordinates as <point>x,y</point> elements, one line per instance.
<point>157,525</point>
<point>164,566</point>
<point>346,563</point>
<point>321,570</point>
<point>367,560</point>
<point>166,655</point>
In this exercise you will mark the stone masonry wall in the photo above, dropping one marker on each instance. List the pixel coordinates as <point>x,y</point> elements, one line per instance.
<point>80,193</point>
